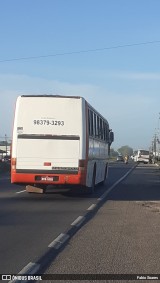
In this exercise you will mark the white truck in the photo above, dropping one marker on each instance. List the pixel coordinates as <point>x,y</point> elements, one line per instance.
<point>141,155</point>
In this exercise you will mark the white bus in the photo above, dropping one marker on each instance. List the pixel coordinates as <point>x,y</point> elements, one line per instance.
<point>141,155</point>
<point>59,140</point>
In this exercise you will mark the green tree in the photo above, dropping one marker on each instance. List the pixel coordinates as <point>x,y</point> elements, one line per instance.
<point>113,153</point>
<point>125,150</point>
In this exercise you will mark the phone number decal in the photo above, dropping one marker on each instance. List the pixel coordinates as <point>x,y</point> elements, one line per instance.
<point>48,122</point>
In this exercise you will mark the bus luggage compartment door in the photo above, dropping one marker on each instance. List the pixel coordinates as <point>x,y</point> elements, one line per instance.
<point>46,154</point>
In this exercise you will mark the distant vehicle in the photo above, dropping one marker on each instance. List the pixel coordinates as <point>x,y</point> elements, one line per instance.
<point>59,140</point>
<point>120,158</point>
<point>142,155</point>
<point>6,158</point>
<point>126,158</point>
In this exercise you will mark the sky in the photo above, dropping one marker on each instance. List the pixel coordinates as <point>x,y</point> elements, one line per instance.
<point>106,51</point>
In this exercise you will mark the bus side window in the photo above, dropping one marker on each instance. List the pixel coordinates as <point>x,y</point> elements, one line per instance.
<point>98,127</point>
<point>92,129</point>
<point>107,132</point>
<point>95,125</point>
<point>103,130</point>
<point>100,133</point>
<point>90,122</point>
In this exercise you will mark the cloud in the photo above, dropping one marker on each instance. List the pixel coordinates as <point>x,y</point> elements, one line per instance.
<point>131,112</point>
<point>133,76</point>
<point>22,84</point>
<point>11,86</point>
<point>117,75</point>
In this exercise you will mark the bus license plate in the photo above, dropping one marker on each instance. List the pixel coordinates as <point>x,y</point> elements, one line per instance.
<point>46,178</point>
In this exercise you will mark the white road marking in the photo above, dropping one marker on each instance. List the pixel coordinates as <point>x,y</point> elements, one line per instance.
<point>59,241</point>
<point>91,207</point>
<point>114,185</point>
<point>78,221</point>
<point>30,268</point>
<point>21,192</point>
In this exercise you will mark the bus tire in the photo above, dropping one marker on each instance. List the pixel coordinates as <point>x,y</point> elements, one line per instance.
<point>105,175</point>
<point>91,189</point>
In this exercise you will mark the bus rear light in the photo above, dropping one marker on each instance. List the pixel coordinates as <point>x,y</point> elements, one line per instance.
<point>13,163</point>
<point>47,163</point>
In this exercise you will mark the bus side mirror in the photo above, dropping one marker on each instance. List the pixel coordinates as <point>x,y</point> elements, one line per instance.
<point>111,136</point>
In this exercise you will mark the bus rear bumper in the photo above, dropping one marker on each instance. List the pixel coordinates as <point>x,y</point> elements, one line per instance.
<point>48,179</point>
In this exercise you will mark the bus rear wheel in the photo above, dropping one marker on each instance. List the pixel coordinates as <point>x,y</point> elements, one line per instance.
<point>91,189</point>
<point>105,175</point>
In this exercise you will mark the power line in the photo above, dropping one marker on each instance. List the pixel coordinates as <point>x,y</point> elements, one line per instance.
<point>80,51</point>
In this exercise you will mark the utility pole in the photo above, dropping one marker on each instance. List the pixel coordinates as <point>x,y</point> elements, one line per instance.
<point>6,144</point>
<point>155,145</point>
<point>158,135</point>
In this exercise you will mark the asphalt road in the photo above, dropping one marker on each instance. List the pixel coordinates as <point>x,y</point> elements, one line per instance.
<point>30,222</point>
<point>121,240</point>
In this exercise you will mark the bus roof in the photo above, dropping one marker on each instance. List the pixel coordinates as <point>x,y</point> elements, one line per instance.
<point>52,95</point>
<point>68,96</point>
